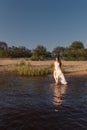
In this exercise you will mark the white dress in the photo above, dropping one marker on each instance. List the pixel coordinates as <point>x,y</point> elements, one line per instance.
<point>58,75</point>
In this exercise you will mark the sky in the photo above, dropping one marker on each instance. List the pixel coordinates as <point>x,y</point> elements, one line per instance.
<point>50,23</point>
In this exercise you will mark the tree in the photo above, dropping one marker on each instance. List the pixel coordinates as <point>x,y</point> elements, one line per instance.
<point>58,51</point>
<point>39,53</point>
<point>3,45</point>
<point>48,55</point>
<point>77,45</point>
<point>19,52</point>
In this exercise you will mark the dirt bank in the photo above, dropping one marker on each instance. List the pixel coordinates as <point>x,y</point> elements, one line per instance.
<point>70,67</point>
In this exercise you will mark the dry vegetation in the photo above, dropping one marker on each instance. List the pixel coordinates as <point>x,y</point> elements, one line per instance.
<point>69,67</point>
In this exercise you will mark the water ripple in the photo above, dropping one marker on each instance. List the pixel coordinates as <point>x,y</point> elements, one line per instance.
<point>37,103</point>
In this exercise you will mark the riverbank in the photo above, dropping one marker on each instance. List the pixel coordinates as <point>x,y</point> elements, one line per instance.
<point>69,67</point>
<point>75,67</point>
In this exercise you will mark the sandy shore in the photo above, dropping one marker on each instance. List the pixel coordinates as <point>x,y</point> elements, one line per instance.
<point>69,67</point>
<point>75,67</point>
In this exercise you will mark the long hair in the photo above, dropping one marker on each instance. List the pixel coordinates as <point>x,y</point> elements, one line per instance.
<point>59,60</point>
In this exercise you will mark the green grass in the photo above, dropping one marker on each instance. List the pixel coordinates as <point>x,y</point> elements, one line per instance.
<point>24,69</point>
<point>31,71</point>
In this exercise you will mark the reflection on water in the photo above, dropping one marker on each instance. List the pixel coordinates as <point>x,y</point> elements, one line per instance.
<point>59,90</point>
<point>37,103</point>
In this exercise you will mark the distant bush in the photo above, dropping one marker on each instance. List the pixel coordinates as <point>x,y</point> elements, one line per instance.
<point>36,58</point>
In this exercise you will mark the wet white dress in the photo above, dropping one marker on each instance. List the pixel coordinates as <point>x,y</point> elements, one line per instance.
<point>58,75</point>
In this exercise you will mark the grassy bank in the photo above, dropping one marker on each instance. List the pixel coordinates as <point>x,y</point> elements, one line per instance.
<point>24,69</point>
<point>25,65</point>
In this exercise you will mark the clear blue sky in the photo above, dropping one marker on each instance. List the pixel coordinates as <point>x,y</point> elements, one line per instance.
<point>50,23</point>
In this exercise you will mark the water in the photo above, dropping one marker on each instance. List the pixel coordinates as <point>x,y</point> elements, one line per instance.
<point>37,103</point>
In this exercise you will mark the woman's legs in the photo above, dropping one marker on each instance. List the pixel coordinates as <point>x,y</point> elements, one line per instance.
<point>56,77</point>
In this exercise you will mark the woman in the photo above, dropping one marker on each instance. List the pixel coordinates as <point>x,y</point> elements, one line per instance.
<point>58,75</point>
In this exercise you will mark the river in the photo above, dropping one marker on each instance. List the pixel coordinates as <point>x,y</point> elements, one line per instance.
<point>37,103</point>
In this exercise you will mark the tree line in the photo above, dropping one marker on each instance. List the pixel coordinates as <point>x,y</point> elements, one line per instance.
<point>76,51</point>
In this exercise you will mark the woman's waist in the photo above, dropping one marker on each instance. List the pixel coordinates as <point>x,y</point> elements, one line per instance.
<point>57,70</point>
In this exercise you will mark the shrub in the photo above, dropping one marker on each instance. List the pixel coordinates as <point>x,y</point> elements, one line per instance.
<point>27,70</point>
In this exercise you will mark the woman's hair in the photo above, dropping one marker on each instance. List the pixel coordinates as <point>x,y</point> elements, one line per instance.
<point>59,60</point>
